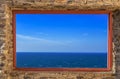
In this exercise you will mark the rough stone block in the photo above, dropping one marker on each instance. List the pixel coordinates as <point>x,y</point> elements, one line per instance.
<point>79,77</point>
<point>32,1</point>
<point>60,1</point>
<point>1,65</point>
<point>27,77</point>
<point>2,1</point>
<point>1,43</point>
<point>44,77</point>
<point>52,78</point>
<point>108,78</point>
<point>2,57</point>
<point>2,25</point>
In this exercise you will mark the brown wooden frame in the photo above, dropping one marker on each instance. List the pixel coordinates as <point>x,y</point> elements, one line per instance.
<point>109,59</point>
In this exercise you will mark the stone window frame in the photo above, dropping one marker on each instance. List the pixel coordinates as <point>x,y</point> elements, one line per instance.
<point>110,55</point>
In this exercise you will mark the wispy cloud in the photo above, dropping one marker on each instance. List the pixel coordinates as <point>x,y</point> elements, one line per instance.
<point>39,39</point>
<point>29,37</point>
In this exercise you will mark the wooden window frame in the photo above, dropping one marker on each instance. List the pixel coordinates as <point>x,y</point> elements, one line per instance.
<point>109,58</point>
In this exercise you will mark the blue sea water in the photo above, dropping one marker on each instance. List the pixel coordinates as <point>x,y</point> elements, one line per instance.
<point>61,60</point>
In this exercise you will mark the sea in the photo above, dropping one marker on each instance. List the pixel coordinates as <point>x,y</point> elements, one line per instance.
<point>61,60</point>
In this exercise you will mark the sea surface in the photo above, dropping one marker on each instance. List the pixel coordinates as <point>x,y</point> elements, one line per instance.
<point>61,60</point>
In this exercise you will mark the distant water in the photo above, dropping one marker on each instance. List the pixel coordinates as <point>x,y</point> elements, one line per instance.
<point>61,60</point>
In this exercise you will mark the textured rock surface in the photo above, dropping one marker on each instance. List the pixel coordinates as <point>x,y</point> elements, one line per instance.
<point>6,37</point>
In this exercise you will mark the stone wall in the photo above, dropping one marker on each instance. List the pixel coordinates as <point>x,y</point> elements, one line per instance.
<point>6,37</point>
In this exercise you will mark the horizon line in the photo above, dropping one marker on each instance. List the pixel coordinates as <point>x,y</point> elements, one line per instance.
<point>61,52</point>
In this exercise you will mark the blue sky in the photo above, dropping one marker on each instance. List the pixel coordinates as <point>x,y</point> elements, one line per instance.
<point>61,32</point>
